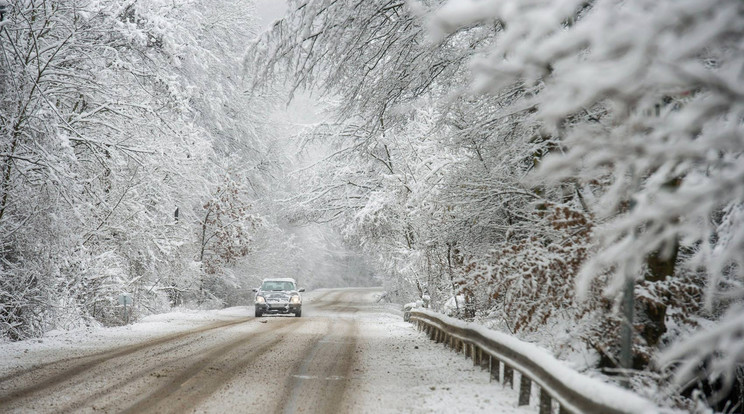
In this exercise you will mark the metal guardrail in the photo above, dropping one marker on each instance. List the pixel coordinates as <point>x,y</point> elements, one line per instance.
<point>490,354</point>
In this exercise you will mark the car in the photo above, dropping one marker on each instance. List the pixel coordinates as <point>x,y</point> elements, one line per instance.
<point>278,295</point>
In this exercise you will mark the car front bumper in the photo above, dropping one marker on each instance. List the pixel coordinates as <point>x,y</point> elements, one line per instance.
<point>278,307</point>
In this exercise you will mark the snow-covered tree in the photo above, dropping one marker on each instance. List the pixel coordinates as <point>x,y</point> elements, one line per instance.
<point>600,139</point>
<point>644,101</point>
<point>119,119</point>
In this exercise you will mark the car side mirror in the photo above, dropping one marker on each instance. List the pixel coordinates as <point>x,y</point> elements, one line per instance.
<point>255,289</point>
<point>301,290</point>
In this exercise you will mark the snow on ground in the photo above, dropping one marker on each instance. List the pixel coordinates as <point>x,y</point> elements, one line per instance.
<point>599,391</point>
<point>406,372</point>
<point>395,367</point>
<point>58,344</point>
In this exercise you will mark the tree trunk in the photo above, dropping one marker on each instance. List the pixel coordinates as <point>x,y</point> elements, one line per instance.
<point>653,314</point>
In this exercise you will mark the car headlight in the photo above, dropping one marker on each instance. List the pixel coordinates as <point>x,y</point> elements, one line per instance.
<point>294,299</point>
<point>260,299</point>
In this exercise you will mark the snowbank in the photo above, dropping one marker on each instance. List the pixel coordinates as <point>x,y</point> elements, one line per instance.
<point>593,389</point>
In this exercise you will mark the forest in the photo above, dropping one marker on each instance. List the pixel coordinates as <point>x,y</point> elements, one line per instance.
<point>570,172</point>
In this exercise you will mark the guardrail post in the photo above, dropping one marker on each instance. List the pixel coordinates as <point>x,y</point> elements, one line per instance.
<point>545,402</point>
<point>525,388</point>
<point>476,356</point>
<point>490,367</point>
<point>508,375</point>
<point>493,368</point>
<point>564,410</point>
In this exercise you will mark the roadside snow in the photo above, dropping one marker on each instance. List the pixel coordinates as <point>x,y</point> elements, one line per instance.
<point>404,371</point>
<point>599,391</point>
<point>56,345</point>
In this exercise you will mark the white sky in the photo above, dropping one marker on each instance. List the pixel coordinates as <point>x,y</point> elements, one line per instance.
<point>269,11</point>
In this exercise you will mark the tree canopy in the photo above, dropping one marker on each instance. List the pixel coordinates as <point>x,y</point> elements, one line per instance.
<point>522,161</point>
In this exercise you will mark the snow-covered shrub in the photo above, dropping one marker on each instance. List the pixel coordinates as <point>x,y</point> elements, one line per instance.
<point>529,279</point>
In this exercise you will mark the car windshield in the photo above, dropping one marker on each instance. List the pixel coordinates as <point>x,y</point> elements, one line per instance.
<point>277,285</point>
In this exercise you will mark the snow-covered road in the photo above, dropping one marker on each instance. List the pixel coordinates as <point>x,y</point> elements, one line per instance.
<point>347,353</point>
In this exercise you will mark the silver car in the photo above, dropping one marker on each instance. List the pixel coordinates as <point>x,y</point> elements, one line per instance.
<point>279,295</point>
